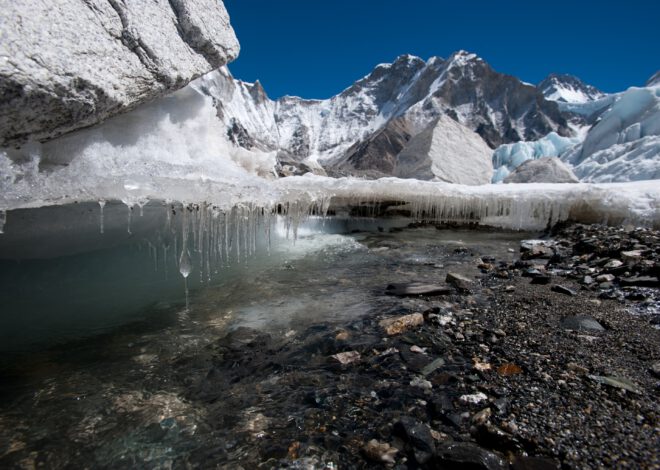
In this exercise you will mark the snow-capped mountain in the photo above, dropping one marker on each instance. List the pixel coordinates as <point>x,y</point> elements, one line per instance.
<point>568,89</point>
<point>363,129</point>
<point>424,119</point>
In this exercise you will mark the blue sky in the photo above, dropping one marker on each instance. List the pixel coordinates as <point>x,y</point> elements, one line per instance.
<point>316,48</point>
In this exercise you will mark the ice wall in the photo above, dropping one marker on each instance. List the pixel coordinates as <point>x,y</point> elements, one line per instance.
<point>174,150</point>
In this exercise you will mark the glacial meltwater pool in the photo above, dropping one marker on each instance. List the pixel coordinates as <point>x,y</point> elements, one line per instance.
<point>103,365</point>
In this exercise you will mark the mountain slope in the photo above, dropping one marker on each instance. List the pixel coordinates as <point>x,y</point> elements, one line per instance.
<point>361,130</point>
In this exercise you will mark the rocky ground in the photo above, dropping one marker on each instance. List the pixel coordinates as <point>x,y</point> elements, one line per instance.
<point>547,359</point>
<point>550,362</point>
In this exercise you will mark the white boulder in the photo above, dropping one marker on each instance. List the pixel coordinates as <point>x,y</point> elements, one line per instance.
<point>73,64</point>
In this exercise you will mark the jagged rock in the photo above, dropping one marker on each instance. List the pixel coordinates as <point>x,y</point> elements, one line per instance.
<point>543,170</point>
<point>85,60</point>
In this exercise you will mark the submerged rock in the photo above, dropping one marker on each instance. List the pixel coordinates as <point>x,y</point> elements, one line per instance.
<point>85,60</point>
<point>416,288</point>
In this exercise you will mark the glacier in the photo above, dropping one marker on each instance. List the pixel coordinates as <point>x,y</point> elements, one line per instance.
<point>624,144</point>
<point>509,156</point>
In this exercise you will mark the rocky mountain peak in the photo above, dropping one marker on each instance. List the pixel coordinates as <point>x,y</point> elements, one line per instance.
<point>568,89</point>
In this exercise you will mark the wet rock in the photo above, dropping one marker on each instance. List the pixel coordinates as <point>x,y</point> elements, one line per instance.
<point>474,398</point>
<point>461,283</point>
<point>433,366</point>
<point>640,281</point>
<point>613,264</point>
<point>633,255</point>
<point>347,357</point>
<point>509,369</point>
<point>541,280</point>
<point>395,326</point>
<point>605,278</point>
<point>417,288</point>
<point>531,272</point>
<point>534,463</point>
<point>616,382</point>
<point>418,435</point>
<point>581,323</point>
<point>415,362</point>
<point>421,383</point>
<point>465,455</point>
<point>655,369</point>
<point>482,417</point>
<point>562,290</point>
<point>379,451</point>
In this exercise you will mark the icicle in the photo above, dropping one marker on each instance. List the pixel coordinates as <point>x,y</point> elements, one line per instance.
<point>101,221</point>
<point>3,221</point>
<point>130,212</point>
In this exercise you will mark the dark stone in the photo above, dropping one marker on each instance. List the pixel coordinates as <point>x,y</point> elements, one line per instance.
<point>563,290</point>
<point>414,361</point>
<point>581,323</point>
<point>531,272</point>
<point>640,281</point>
<point>541,280</point>
<point>493,437</point>
<point>418,435</point>
<point>465,455</point>
<point>416,288</point>
<point>534,463</point>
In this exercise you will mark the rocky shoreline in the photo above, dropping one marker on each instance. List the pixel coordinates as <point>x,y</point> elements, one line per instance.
<point>542,358</point>
<point>536,364</point>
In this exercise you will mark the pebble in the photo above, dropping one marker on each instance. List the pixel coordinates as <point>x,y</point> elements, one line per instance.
<point>474,398</point>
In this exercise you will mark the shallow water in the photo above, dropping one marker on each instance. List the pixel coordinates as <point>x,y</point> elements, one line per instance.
<point>124,391</point>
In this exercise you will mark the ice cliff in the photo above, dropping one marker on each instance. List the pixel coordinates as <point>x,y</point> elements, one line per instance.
<point>74,63</point>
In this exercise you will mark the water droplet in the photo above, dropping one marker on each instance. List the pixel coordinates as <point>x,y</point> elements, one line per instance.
<point>185,266</point>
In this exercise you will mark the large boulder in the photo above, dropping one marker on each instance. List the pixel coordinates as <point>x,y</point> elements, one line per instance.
<point>543,170</point>
<point>446,151</point>
<point>73,64</point>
